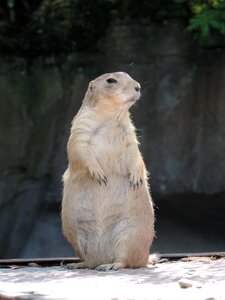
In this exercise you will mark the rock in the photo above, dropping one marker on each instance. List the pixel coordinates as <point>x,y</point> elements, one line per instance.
<point>185,283</point>
<point>33,265</point>
<point>46,239</point>
<point>181,127</point>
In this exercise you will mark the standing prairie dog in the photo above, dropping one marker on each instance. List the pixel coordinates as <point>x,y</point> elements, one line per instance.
<point>107,211</point>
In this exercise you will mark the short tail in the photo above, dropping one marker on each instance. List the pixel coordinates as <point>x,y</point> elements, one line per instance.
<point>154,258</point>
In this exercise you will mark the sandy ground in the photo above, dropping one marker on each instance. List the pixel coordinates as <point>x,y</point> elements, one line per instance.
<point>196,279</point>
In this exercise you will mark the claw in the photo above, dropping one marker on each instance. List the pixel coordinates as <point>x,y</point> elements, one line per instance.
<point>104,180</point>
<point>135,184</point>
<point>100,178</point>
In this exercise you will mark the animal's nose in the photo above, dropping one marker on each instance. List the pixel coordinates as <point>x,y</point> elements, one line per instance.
<point>137,88</point>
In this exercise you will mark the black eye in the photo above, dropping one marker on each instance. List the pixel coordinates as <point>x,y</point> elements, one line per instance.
<point>111,80</point>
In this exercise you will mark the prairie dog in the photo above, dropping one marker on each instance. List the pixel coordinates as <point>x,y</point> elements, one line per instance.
<point>107,211</point>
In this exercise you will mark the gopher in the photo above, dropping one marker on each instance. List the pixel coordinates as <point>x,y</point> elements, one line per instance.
<point>107,211</point>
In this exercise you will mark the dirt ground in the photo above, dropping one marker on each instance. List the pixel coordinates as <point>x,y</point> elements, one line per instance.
<point>196,278</point>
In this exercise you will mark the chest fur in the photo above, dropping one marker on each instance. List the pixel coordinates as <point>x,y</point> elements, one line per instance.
<point>110,141</point>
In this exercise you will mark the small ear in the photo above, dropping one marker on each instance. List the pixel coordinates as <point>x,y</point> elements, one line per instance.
<point>90,95</point>
<point>91,86</point>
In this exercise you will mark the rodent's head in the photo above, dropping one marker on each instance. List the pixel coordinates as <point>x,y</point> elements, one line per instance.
<point>113,90</point>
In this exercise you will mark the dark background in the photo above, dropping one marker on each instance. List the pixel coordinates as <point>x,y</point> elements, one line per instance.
<point>50,50</point>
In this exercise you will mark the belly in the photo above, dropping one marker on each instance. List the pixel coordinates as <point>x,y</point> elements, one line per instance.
<point>99,215</point>
<point>98,208</point>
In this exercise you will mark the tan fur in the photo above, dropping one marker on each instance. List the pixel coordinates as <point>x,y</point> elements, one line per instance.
<point>107,212</point>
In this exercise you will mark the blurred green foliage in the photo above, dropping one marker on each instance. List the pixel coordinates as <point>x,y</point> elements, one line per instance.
<point>208,18</point>
<point>52,27</point>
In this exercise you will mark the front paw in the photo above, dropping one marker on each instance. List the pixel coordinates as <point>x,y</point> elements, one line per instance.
<point>135,179</point>
<point>98,175</point>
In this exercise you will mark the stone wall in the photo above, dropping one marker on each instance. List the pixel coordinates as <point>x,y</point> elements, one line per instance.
<point>181,129</point>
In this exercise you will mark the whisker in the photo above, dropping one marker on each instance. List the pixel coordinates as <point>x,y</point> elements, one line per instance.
<point>146,82</point>
<point>130,67</point>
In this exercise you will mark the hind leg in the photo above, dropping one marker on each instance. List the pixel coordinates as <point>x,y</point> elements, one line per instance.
<point>133,250</point>
<point>129,253</point>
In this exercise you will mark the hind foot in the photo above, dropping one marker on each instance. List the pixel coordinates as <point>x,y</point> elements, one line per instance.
<point>114,266</point>
<point>73,266</point>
